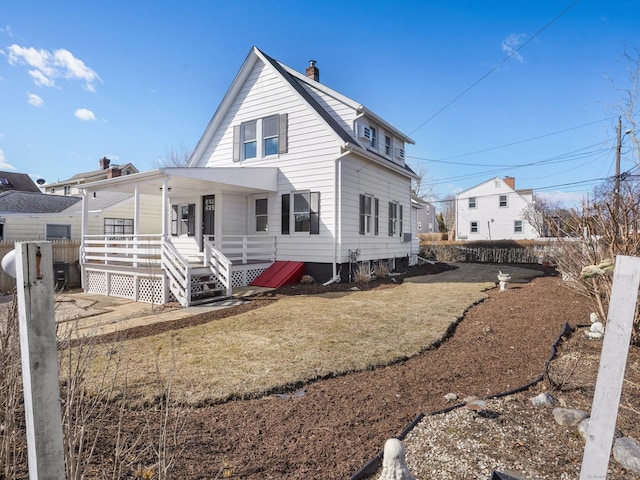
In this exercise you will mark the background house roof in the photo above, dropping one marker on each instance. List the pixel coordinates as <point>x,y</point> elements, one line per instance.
<point>12,181</point>
<point>30,202</point>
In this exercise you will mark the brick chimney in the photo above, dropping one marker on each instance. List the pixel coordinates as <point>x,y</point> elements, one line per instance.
<point>511,181</point>
<point>104,163</point>
<point>312,71</point>
<point>114,172</point>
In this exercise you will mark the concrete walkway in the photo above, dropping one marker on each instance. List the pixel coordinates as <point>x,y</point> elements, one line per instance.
<point>79,313</point>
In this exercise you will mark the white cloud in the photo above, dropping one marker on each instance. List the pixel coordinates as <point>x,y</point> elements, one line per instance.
<point>7,29</point>
<point>35,100</point>
<point>511,44</point>
<point>85,115</point>
<point>4,165</point>
<point>46,67</point>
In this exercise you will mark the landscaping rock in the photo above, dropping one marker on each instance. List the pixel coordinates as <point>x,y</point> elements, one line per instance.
<point>569,417</point>
<point>542,400</point>
<point>626,452</point>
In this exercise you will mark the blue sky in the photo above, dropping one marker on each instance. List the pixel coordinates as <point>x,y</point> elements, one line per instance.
<point>80,80</point>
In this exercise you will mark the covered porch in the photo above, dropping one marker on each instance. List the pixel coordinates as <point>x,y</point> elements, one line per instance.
<point>191,236</point>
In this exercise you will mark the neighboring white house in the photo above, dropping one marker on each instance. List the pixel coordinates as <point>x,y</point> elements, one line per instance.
<point>287,170</point>
<point>494,210</point>
<point>426,216</point>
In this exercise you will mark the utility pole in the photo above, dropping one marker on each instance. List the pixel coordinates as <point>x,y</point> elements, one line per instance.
<point>616,184</point>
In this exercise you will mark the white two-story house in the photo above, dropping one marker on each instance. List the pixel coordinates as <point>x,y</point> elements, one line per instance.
<point>494,210</point>
<point>287,171</point>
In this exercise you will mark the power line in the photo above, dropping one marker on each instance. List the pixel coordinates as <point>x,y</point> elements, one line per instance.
<point>498,65</point>
<point>531,139</point>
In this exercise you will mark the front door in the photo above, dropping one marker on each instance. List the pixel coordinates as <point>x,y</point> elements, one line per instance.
<point>208,215</point>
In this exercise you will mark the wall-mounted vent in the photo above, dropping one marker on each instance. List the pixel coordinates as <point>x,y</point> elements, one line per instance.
<point>399,153</point>
<point>364,132</point>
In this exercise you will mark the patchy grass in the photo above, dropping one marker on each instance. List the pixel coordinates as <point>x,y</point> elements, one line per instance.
<point>296,339</point>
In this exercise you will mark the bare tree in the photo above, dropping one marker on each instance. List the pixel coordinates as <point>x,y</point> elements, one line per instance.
<point>448,211</point>
<point>174,157</point>
<point>422,187</point>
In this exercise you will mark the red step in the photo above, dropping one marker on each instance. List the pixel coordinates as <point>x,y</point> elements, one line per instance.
<point>279,274</point>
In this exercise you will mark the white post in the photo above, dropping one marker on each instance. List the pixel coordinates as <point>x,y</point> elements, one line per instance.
<point>38,349</point>
<point>613,360</point>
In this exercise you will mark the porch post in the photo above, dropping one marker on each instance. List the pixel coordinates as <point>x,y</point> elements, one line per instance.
<point>136,230</point>
<point>84,230</point>
<point>164,210</point>
<point>136,211</point>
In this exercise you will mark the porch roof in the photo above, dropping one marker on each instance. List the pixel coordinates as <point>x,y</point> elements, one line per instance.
<point>192,180</point>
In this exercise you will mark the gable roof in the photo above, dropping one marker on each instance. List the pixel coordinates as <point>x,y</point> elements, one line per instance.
<point>13,181</point>
<point>93,175</point>
<point>30,202</point>
<point>295,81</point>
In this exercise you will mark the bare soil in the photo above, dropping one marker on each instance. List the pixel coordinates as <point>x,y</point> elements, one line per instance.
<point>331,428</point>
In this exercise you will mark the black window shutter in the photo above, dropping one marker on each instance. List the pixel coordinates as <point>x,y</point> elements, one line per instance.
<point>400,218</point>
<point>236,143</point>
<point>376,212</point>
<point>390,219</point>
<point>285,214</point>
<point>361,214</point>
<point>314,213</point>
<point>283,137</point>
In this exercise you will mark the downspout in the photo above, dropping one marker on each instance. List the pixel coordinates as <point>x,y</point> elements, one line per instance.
<point>337,186</point>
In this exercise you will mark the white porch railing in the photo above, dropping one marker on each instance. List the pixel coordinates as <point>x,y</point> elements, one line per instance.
<point>178,273</point>
<point>138,251</point>
<point>138,256</point>
<point>240,249</point>
<point>219,264</point>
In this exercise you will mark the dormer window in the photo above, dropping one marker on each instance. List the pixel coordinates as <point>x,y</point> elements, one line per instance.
<point>5,183</point>
<point>388,146</point>
<point>373,142</point>
<point>67,189</point>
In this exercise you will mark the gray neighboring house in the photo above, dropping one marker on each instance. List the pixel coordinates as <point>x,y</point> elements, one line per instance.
<point>17,182</point>
<point>39,216</point>
<point>426,213</point>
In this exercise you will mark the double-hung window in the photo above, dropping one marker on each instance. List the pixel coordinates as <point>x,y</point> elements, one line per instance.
<point>301,213</point>
<point>472,202</point>
<point>270,135</point>
<point>388,146</point>
<point>369,209</point>
<point>249,146</point>
<point>395,219</point>
<point>261,215</point>
<point>502,202</point>
<point>373,143</point>
<point>517,226</point>
<point>474,227</point>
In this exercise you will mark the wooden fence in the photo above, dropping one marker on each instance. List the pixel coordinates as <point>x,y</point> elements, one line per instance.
<point>66,254</point>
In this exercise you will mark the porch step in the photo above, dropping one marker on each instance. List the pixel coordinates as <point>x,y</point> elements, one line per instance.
<point>279,274</point>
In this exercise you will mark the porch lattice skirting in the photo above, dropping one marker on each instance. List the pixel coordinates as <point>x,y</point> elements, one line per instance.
<point>149,288</point>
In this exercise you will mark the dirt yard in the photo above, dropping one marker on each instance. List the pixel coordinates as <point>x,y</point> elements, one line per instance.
<point>331,428</point>
<point>337,425</point>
